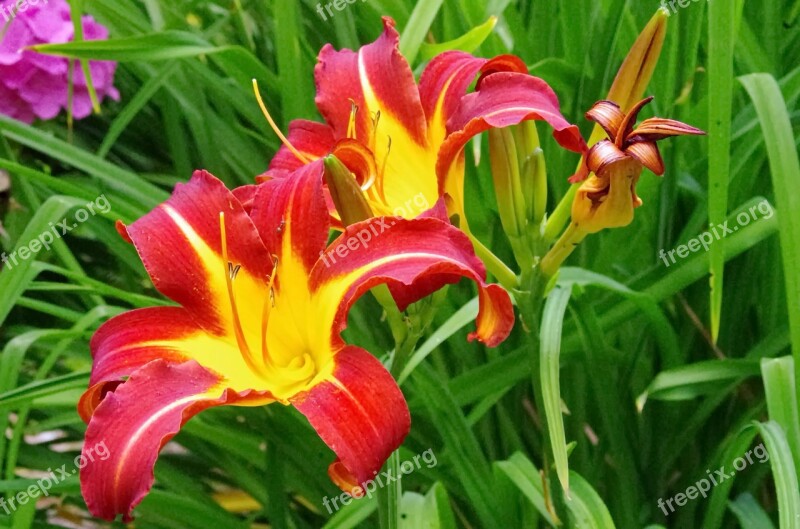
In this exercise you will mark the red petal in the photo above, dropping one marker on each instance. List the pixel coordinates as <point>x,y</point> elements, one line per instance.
<point>132,425</point>
<point>293,210</point>
<point>647,154</point>
<point>608,115</point>
<point>360,413</point>
<point>506,99</point>
<point>312,139</point>
<point>415,257</point>
<point>180,245</point>
<point>442,85</point>
<point>245,195</point>
<point>377,77</point>
<point>133,339</point>
<point>502,63</point>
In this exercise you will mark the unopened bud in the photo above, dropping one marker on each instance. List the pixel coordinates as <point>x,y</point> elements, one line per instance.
<point>347,195</point>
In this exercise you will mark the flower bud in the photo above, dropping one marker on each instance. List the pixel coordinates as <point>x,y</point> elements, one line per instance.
<point>347,195</point>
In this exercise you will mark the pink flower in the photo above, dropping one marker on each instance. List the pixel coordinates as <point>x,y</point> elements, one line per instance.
<point>33,85</point>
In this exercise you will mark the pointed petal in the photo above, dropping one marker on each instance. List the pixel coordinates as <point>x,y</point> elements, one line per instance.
<point>360,413</point>
<point>626,127</point>
<point>502,63</point>
<point>602,155</point>
<point>415,258</point>
<point>506,99</point>
<point>647,154</point>
<point>442,85</point>
<point>377,77</point>
<point>133,339</point>
<point>292,217</point>
<point>133,423</point>
<point>180,245</point>
<point>655,129</point>
<point>608,115</point>
<point>313,140</point>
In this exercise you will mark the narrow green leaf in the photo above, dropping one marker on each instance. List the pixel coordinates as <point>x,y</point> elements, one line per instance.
<point>781,389</point>
<point>585,507</point>
<point>785,169</point>
<point>418,25</point>
<point>722,18</point>
<point>468,42</point>
<point>749,513</point>
<point>552,323</point>
<point>694,380</point>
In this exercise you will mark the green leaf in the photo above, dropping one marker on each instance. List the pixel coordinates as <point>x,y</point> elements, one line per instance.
<point>785,169</point>
<point>781,389</point>
<point>468,42</point>
<point>552,323</point>
<point>418,25</point>
<point>526,477</point>
<point>749,513</point>
<point>585,507</point>
<point>698,379</point>
<point>431,511</point>
<point>722,23</point>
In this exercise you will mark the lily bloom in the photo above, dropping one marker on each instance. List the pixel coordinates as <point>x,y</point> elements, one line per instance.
<point>405,141</point>
<point>261,303</point>
<point>607,199</point>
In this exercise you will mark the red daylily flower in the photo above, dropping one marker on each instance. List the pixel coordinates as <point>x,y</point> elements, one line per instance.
<point>403,141</point>
<point>261,308</point>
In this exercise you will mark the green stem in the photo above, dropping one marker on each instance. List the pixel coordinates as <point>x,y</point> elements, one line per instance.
<point>494,265</point>
<point>530,304</point>
<point>561,215</point>
<point>571,237</point>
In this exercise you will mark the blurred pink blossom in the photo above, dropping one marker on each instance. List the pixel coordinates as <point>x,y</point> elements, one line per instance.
<point>33,85</point>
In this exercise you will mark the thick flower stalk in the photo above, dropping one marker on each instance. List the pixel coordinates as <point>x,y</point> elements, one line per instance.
<point>33,85</point>
<point>608,197</point>
<point>262,301</point>
<point>404,141</point>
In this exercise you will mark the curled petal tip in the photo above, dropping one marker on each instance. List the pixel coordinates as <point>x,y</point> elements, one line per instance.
<point>603,154</point>
<point>608,115</point>
<point>647,154</point>
<point>654,129</point>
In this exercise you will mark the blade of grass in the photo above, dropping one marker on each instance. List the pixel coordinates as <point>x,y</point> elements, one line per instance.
<point>722,17</point>
<point>785,169</point>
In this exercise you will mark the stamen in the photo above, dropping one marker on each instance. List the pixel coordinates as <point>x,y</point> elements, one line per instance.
<point>381,180</point>
<point>351,125</point>
<point>229,277</point>
<point>376,119</point>
<point>269,304</point>
<point>300,156</point>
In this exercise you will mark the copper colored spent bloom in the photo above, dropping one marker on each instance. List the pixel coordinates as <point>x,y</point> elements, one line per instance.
<point>625,141</point>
